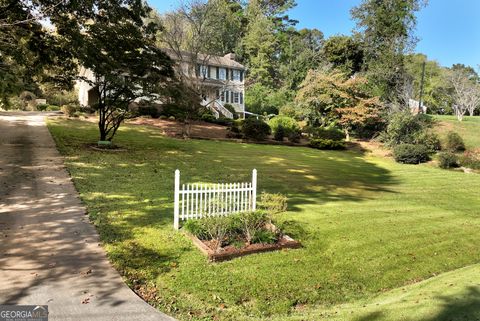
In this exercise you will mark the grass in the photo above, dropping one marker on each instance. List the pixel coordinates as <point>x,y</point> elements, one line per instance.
<point>368,225</point>
<point>469,128</point>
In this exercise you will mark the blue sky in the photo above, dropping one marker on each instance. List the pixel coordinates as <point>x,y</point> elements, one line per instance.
<point>449,31</point>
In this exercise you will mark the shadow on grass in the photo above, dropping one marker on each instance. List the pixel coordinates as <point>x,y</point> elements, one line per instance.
<point>463,307</point>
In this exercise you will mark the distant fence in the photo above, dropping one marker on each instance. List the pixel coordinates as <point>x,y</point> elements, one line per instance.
<point>194,201</point>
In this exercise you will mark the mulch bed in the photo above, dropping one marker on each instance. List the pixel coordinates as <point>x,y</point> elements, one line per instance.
<point>230,252</point>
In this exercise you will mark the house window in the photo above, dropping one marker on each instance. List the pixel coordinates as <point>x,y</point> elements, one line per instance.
<point>236,98</point>
<point>222,96</point>
<point>203,71</point>
<point>222,74</point>
<point>213,72</point>
<point>236,75</point>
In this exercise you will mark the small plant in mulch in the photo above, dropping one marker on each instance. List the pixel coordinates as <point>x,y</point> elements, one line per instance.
<point>226,237</point>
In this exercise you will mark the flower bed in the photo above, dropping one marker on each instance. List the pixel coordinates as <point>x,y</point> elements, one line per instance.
<point>226,237</point>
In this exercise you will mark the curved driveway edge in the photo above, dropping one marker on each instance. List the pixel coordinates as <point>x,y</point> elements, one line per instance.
<point>49,251</point>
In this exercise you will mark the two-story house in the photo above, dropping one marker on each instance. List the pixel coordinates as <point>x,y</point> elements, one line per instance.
<point>222,80</point>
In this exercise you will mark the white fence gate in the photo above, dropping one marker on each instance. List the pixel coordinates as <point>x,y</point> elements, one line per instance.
<point>202,200</point>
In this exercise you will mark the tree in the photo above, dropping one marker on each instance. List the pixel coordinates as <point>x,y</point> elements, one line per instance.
<point>28,50</point>
<point>436,90</point>
<point>386,29</point>
<point>465,92</point>
<point>113,40</point>
<point>328,97</point>
<point>344,53</point>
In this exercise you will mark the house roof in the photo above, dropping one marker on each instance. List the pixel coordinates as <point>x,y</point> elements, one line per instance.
<point>212,60</point>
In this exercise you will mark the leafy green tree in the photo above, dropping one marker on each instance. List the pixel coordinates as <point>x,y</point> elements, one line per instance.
<point>386,30</point>
<point>344,53</point>
<point>112,39</point>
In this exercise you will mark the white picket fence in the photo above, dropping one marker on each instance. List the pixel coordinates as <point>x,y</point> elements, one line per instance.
<point>193,201</point>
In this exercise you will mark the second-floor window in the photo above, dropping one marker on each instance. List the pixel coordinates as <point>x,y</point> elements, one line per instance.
<point>203,71</point>
<point>236,75</point>
<point>222,73</point>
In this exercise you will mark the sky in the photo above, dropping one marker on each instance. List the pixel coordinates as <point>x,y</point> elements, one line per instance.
<point>448,31</point>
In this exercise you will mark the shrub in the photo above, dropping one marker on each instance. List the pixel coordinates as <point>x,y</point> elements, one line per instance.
<point>429,140</point>
<point>410,153</point>
<point>175,111</point>
<point>404,128</point>
<point>447,160</point>
<point>265,237</point>
<point>273,203</point>
<point>256,129</point>
<point>284,123</point>
<point>197,228</point>
<point>217,229</point>
<point>294,137</point>
<point>148,111</point>
<point>251,223</point>
<point>327,144</point>
<point>279,133</point>
<point>454,142</point>
<point>42,107</point>
<point>470,159</point>
<point>171,118</point>
<point>231,109</point>
<point>208,117</point>
<point>53,108</point>
<point>69,110</point>
<point>330,133</point>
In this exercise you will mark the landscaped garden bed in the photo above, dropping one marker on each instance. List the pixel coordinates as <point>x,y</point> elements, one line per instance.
<point>230,251</point>
<point>223,238</point>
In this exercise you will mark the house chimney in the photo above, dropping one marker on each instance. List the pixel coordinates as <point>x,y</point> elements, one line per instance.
<point>230,56</point>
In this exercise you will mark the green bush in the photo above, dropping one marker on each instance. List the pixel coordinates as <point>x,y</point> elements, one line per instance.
<point>42,107</point>
<point>447,160</point>
<point>454,142</point>
<point>410,154</point>
<point>172,110</point>
<point>69,110</point>
<point>405,128</point>
<point>430,140</point>
<point>197,228</point>
<point>330,133</point>
<point>231,109</point>
<point>148,111</point>
<point>53,108</point>
<point>273,203</point>
<point>294,137</point>
<point>256,129</point>
<point>470,159</point>
<point>251,223</point>
<point>327,144</point>
<point>265,237</point>
<point>208,117</point>
<point>279,133</point>
<point>284,123</point>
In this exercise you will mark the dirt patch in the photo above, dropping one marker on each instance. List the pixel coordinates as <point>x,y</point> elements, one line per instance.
<point>174,128</point>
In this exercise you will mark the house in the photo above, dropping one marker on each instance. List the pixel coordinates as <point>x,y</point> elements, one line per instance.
<point>221,78</point>
<point>414,106</point>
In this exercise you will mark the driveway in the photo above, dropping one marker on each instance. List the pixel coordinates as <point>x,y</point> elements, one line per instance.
<point>49,252</point>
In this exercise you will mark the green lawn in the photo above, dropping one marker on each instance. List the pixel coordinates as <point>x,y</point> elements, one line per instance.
<point>469,128</point>
<point>368,225</point>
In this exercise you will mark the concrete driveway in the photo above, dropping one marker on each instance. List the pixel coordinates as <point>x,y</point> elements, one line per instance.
<point>49,252</point>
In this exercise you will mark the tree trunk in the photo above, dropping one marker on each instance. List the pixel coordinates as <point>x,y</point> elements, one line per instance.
<point>347,135</point>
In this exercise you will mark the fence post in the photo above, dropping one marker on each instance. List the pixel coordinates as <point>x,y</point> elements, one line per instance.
<point>176,217</point>
<point>254,189</point>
